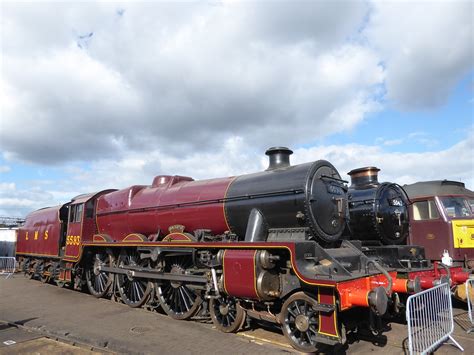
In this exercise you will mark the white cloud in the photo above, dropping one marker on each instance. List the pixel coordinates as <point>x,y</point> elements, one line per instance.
<point>389,142</point>
<point>427,47</point>
<point>202,73</point>
<point>266,72</point>
<point>236,158</point>
<point>197,89</point>
<point>454,163</point>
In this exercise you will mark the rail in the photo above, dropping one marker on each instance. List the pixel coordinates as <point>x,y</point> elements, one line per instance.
<point>470,302</point>
<point>430,320</point>
<point>7,266</point>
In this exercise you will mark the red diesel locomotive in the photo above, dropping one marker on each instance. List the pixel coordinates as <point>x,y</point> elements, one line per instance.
<point>266,245</point>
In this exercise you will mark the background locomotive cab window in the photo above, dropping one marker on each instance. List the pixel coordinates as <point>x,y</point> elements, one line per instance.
<point>456,206</point>
<point>424,210</point>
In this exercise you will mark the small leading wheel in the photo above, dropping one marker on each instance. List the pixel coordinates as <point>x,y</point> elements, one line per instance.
<point>98,282</point>
<point>178,300</point>
<point>134,291</point>
<point>226,314</point>
<point>300,322</point>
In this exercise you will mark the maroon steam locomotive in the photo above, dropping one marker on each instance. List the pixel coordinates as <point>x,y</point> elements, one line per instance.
<point>266,245</point>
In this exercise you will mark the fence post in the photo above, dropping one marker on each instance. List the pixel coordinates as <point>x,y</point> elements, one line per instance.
<point>430,319</point>
<point>7,265</point>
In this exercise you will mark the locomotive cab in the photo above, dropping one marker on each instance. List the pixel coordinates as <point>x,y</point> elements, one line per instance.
<point>81,224</point>
<point>443,219</point>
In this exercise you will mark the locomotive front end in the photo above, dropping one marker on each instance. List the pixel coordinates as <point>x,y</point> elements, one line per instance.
<point>307,200</point>
<point>378,211</point>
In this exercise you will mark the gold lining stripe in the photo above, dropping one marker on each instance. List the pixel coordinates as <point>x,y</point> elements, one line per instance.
<point>334,314</point>
<point>223,270</point>
<point>168,237</point>
<point>254,264</point>
<point>22,253</point>
<point>332,285</point>
<point>97,215</point>
<point>129,237</point>
<point>151,244</point>
<point>223,203</point>
<point>95,238</point>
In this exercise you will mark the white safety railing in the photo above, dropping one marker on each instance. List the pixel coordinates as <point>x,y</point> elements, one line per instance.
<point>430,319</point>
<point>7,266</point>
<point>470,302</point>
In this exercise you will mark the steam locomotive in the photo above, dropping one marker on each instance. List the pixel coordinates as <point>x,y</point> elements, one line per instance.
<point>378,211</point>
<point>268,245</point>
<point>383,213</point>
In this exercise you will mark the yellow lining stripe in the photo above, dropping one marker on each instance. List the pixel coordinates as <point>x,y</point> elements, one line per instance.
<point>169,236</point>
<point>334,313</point>
<point>223,203</point>
<point>134,235</point>
<point>254,264</point>
<point>21,253</point>
<point>223,271</point>
<point>213,247</point>
<point>96,237</point>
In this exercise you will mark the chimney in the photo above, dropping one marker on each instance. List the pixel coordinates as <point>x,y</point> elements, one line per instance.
<point>279,157</point>
<point>364,176</point>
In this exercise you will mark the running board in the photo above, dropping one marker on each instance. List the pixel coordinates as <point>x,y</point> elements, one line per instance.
<point>155,275</point>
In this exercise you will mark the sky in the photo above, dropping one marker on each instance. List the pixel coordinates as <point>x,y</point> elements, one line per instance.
<point>98,95</point>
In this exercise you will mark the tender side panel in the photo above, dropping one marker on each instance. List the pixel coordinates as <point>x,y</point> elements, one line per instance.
<point>41,233</point>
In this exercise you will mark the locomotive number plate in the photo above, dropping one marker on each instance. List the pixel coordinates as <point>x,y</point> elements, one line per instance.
<point>335,190</point>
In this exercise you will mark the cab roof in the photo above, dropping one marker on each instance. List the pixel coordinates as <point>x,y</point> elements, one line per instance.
<point>437,188</point>
<point>86,197</point>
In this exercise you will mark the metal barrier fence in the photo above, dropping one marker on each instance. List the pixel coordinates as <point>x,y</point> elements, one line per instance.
<point>7,266</point>
<point>430,319</point>
<point>470,302</point>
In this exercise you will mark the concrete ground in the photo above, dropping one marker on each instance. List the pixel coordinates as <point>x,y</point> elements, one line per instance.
<point>37,314</point>
<point>16,339</point>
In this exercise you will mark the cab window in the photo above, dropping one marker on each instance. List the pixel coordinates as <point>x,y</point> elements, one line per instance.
<point>75,214</point>
<point>79,209</point>
<point>72,213</point>
<point>456,206</point>
<point>90,209</point>
<point>425,210</point>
